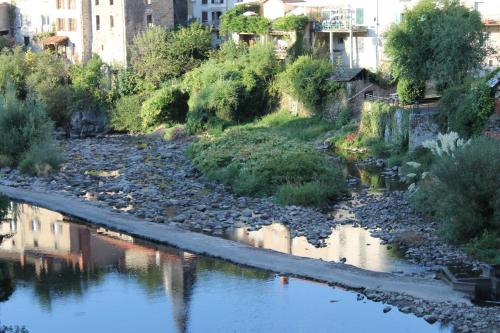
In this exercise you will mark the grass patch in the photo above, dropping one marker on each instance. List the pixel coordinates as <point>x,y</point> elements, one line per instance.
<point>271,157</point>
<point>486,247</point>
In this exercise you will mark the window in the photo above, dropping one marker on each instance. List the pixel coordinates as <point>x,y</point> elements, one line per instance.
<point>204,17</point>
<point>111,2</point>
<point>96,2</point>
<point>71,24</point>
<point>97,22</point>
<point>61,24</point>
<point>215,18</point>
<point>71,4</point>
<point>13,226</point>
<point>148,2</point>
<point>35,225</point>
<point>56,228</point>
<point>73,49</point>
<point>217,2</point>
<point>59,4</point>
<point>111,21</point>
<point>360,16</point>
<point>149,20</point>
<point>204,2</point>
<point>45,20</point>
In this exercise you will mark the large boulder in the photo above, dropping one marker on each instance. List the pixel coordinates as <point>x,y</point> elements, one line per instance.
<point>88,123</point>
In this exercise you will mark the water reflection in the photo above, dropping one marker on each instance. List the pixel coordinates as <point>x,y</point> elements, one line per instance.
<point>91,279</point>
<point>356,245</point>
<point>369,175</point>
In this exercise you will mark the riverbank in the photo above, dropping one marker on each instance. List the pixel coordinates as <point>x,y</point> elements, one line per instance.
<point>147,177</point>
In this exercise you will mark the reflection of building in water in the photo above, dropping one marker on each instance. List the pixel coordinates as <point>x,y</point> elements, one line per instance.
<point>41,239</point>
<point>179,277</point>
<point>344,242</point>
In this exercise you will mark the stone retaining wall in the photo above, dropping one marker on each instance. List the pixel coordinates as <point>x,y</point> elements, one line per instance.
<point>423,127</point>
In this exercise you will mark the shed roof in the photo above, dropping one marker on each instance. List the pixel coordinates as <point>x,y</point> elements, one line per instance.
<point>55,40</point>
<point>346,74</point>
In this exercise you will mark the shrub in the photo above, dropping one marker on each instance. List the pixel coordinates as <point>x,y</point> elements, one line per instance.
<point>307,80</point>
<point>127,115</point>
<point>233,20</point>
<point>90,87</point>
<point>233,86</point>
<point>40,160</point>
<point>167,105</point>
<point>260,163</point>
<point>410,90</point>
<point>13,71</point>
<point>127,83</point>
<point>25,131</point>
<point>486,247</point>
<point>315,194</point>
<point>159,55</point>
<point>469,108</point>
<point>464,191</point>
<point>290,23</point>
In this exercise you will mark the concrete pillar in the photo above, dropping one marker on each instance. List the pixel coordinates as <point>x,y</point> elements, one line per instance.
<point>331,48</point>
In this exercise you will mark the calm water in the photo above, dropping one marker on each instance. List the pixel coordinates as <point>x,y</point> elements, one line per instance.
<point>65,277</point>
<point>356,245</point>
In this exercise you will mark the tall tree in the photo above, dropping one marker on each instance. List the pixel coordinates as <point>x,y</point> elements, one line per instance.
<point>439,40</point>
<point>159,54</point>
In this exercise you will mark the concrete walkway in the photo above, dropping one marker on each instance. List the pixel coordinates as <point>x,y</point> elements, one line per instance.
<point>340,274</point>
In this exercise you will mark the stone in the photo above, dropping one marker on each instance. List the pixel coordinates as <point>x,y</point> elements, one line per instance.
<point>387,309</point>
<point>430,319</point>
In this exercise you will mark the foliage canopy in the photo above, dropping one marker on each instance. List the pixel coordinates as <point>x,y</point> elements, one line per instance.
<point>439,40</point>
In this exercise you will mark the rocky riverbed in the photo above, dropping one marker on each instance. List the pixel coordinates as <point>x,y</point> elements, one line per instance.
<point>153,179</point>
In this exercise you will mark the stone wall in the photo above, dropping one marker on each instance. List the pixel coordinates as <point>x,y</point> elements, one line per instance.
<point>422,127</point>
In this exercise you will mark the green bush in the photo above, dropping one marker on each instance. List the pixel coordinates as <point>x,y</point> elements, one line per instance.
<point>127,115</point>
<point>374,119</point>
<point>46,81</point>
<point>13,71</point>
<point>308,80</point>
<point>261,163</point>
<point>233,20</point>
<point>40,160</point>
<point>25,131</point>
<point>464,191</point>
<point>233,86</point>
<point>90,87</point>
<point>167,105</point>
<point>473,109</point>
<point>290,23</point>
<point>410,90</point>
<point>486,247</point>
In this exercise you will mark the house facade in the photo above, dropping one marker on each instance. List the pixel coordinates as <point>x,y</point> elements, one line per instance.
<point>352,30</point>
<point>490,13</point>
<point>84,27</point>
<point>208,12</point>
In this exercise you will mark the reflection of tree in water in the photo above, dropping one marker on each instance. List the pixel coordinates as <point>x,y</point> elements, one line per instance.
<point>206,264</point>
<point>65,281</point>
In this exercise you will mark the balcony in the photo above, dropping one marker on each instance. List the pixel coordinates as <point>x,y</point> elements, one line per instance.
<point>340,20</point>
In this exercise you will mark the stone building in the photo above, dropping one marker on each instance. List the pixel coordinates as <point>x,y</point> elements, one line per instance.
<point>84,27</point>
<point>116,22</point>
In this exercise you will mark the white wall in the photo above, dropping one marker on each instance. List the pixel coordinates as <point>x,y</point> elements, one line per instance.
<point>198,8</point>
<point>29,21</point>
